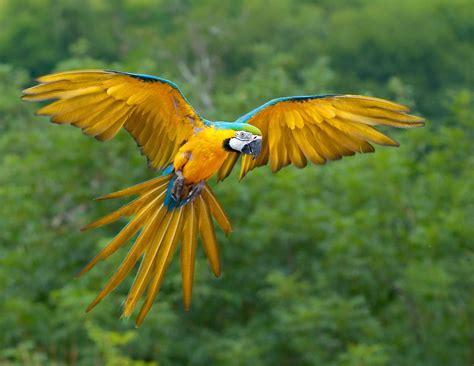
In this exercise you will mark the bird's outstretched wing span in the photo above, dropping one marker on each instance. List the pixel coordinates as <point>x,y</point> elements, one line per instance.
<point>101,102</point>
<point>319,128</point>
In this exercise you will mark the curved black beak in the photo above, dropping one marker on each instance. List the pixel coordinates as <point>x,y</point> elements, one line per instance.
<point>253,147</point>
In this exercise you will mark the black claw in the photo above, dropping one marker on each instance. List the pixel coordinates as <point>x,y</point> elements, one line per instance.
<point>178,187</point>
<point>195,191</point>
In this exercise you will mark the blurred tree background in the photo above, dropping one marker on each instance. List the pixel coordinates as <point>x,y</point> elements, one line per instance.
<point>366,261</point>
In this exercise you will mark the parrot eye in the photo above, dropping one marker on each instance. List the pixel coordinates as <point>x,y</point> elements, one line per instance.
<point>244,136</point>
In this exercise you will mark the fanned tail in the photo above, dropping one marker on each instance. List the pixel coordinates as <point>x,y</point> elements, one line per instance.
<point>160,232</point>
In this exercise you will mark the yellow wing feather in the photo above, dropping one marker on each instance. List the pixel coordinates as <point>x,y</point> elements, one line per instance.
<point>101,102</point>
<point>318,129</point>
<point>227,166</point>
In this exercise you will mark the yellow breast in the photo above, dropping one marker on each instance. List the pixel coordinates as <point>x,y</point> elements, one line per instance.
<point>204,153</point>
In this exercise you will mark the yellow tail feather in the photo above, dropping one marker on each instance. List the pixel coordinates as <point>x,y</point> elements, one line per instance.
<point>188,253</point>
<point>160,232</point>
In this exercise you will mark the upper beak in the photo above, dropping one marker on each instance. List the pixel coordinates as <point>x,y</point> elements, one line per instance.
<point>253,147</point>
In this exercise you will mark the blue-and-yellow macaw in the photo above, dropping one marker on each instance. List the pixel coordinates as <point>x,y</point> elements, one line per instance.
<point>178,206</point>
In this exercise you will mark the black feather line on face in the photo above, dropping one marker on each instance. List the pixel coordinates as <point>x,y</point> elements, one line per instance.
<point>227,146</point>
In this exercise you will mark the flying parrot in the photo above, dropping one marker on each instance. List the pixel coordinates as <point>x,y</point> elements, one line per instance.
<point>179,206</point>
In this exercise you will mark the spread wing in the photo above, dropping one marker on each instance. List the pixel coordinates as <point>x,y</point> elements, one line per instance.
<point>101,102</point>
<point>319,128</point>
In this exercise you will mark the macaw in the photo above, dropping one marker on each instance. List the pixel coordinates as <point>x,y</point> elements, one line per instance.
<point>179,205</point>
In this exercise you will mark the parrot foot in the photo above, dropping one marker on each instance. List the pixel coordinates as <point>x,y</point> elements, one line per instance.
<point>195,191</point>
<point>178,186</point>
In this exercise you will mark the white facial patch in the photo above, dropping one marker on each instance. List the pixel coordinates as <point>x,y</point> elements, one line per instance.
<point>237,144</point>
<point>241,139</point>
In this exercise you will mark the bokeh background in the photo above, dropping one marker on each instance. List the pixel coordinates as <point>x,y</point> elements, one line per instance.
<point>365,261</point>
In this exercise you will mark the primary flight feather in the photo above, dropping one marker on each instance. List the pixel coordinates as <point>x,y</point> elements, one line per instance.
<point>178,206</point>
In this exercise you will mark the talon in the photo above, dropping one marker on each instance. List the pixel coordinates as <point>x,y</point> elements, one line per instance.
<point>195,191</point>
<point>178,186</point>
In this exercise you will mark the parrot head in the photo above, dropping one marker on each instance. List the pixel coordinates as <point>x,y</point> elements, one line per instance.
<point>246,140</point>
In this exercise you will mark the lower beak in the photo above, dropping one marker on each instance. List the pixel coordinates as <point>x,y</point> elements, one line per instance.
<point>253,148</point>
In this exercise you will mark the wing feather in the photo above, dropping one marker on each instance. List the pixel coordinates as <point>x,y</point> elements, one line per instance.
<point>101,102</point>
<point>294,152</point>
<point>227,166</point>
<point>322,128</point>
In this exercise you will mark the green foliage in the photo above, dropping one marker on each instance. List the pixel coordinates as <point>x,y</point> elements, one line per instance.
<point>367,261</point>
